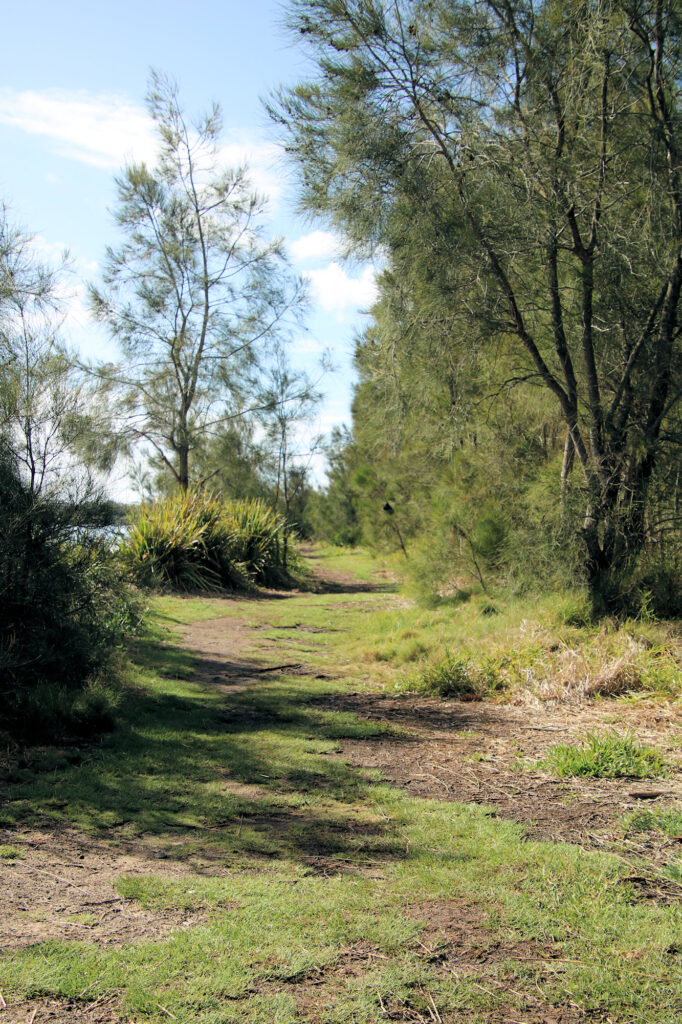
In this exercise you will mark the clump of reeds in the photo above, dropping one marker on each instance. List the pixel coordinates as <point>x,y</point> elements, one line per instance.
<point>194,541</point>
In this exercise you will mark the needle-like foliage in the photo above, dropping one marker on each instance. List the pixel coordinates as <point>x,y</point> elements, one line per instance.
<point>193,294</point>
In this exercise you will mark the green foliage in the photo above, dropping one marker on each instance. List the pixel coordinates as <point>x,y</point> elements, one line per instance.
<point>193,541</point>
<point>257,535</point>
<point>333,512</point>
<point>524,355</point>
<point>455,676</point>
<point>63,605</point>
<point>606,756</point>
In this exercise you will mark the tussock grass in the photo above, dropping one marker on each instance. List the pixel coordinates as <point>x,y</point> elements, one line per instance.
<point>608,755</point>
<point>193,542</point>
<point>456,677</point>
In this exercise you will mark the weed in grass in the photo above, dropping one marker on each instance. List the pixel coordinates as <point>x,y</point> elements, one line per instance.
<point>608,755</point>
<point>9,852</point>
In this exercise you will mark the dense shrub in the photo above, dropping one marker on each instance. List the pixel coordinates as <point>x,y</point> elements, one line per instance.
<point>258,542</point>
<point>192,541</point>
<point>63,604</point>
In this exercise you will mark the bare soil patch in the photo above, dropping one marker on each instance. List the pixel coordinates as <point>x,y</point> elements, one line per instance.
<point>479,752</point>
<point>53,1011</point>
<point>62,887</point>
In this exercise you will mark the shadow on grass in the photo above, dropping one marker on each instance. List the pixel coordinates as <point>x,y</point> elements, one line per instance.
<point>210,773</point>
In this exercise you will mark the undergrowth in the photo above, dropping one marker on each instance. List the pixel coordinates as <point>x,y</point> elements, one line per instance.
<point>544,649</point>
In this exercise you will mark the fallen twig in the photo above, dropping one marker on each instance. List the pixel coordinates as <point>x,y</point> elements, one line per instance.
<point>276,668</point>
<point>41,871</point>
<point>436,1016</point>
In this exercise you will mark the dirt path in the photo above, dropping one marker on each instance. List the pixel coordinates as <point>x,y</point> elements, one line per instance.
<point>478,752</point>
<point>62,885</point>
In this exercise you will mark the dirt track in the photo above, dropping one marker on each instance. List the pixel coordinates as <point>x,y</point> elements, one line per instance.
<point>62,887</point>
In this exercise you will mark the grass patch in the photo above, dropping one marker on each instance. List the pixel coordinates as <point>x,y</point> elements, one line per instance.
<point>453,676</point>
<point>546,649</point>
<point>8,852</point>
<point>667,822</point>
<point>608,755</point>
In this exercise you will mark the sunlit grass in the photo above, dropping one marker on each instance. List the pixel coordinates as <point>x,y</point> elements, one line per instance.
<point>608,755</point>
<point>535,648</point>
<point>307,870</point>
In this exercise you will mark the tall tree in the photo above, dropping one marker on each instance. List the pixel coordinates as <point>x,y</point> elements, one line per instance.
<point>193,294</point>
<point>289,398</point>
<point>538,145</point>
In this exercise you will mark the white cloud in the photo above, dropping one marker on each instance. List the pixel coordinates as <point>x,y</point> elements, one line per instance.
<point>336,291</point>
<point>315,246</point>
<point>103,131</point>
<point>107,131</point>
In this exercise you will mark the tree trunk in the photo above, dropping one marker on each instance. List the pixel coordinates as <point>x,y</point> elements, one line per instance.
<point>183,467</point>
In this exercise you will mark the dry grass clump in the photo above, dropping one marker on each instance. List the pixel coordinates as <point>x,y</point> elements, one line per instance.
<point>578,665</point>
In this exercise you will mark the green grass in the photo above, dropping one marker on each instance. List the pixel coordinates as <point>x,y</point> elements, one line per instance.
<point>306,869</point>
<point>667,822</point>
<point>542,648</point>
<point>608,755</point>
<point>455,677</point>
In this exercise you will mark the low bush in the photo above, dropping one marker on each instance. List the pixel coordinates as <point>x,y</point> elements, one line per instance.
<point>609,755</point>
<point>193,541</point>
<point>63,606</point>
<point>454,676</point>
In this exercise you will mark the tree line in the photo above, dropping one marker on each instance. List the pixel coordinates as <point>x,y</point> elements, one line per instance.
<point>515,167</point>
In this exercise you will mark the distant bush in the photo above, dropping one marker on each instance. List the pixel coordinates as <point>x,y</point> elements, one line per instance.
<point>63,605</point>
<point>192,541</point>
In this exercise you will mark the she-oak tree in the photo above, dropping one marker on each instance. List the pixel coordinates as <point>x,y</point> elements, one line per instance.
<point>540,144</point>
<point>193,294</point>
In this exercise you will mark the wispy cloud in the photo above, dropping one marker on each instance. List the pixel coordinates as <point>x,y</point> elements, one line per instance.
<point>106,131</point>
<point>336,291</point>
<point>103,130</point>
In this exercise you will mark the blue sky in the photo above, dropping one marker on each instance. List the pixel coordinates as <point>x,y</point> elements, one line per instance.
<point>72,111</point>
